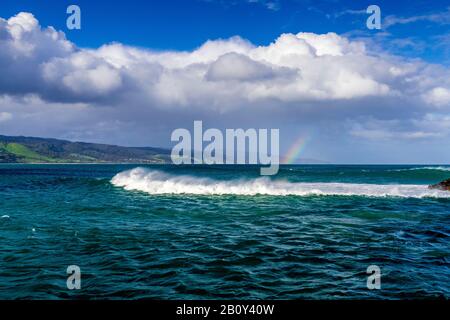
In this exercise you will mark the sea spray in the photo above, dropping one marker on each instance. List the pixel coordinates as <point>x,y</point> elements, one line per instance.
<point>159,182</point>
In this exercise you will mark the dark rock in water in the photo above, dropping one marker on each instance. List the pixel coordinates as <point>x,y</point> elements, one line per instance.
<point>444,185</point>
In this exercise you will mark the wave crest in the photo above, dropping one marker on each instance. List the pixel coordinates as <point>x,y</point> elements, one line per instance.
<point>158,182</point>
<point>439,168</point>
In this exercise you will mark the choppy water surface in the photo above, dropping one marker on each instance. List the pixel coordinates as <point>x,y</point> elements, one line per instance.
<point>223,232</point>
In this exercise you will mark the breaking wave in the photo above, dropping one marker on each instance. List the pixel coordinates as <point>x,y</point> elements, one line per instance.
<point>440,168</point>
<point>159,182</point>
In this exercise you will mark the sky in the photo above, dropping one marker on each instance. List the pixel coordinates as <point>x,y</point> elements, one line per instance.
<point>137,70</point>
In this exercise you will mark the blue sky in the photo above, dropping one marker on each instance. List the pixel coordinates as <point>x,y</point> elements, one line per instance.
<point>139,69</point>
<point>186,24</point>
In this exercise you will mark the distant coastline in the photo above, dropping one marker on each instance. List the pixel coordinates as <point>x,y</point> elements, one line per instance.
<point>32,150</point>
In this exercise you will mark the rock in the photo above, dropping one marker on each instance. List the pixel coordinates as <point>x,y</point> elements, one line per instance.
<point>444,185</point>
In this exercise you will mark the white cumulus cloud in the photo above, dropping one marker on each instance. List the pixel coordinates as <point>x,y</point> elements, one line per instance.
<point>293,68</point>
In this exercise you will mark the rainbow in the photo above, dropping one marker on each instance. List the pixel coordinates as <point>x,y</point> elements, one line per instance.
<point>294,151</point>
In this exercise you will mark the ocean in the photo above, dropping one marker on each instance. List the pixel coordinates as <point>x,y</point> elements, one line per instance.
<point>223,232</point>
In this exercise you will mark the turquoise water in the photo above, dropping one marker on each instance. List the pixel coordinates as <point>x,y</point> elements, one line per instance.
<point>223,232</point>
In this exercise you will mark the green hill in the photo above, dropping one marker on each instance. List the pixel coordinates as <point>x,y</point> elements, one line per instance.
<point>22,152</point>
<point>41,150</point>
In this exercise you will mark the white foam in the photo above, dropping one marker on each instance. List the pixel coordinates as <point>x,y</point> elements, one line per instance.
<point>440,168</point>
<point>158,182</point>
